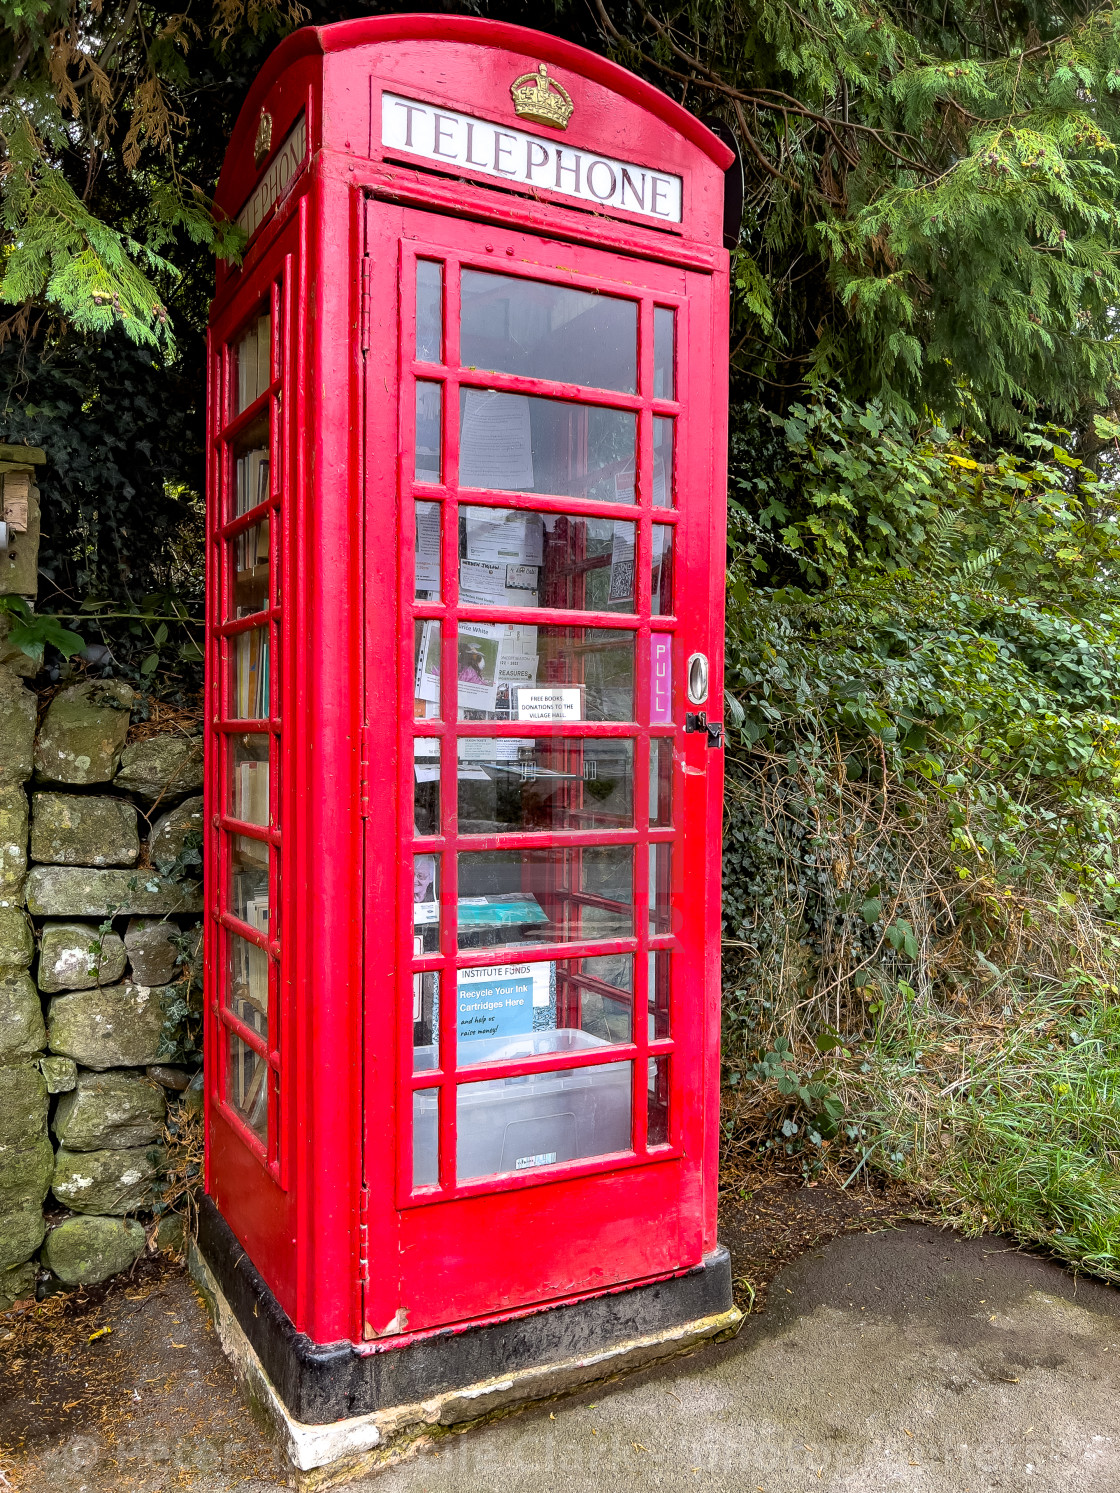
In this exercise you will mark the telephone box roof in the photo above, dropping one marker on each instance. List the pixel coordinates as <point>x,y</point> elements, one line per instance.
<point>311,42</point>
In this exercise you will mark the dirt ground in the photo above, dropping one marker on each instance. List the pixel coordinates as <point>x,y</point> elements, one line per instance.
<point>123,1386</point>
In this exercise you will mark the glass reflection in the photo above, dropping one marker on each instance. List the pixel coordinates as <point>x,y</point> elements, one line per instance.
<point>429,431</point>
<point>662,463</point>
<point>513,1125</point>
<point>552,783</point>
<point>429,311</point>
<point>558,895</point>
<point>426,785</point>
<point>537,330</point>
<point>664,382</point>
<point>248,984</point>
<point>518,558</point>
<point>247,1086</point>
<point>514,671</point>
<point>520,443</point>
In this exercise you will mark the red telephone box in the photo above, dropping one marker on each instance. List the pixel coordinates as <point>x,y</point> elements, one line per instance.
<point>467,436</point>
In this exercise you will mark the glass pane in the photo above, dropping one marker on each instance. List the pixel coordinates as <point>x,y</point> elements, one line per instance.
<point>252,360</point>
<point>425,1138</point>
<point>250,671</point>
<point>247,1086</point>
<point>248,882</point>
<point>661,572</point>
<point>510,325</point>
<point>657,996</point>
<point>429,311</point>
<point>248,779</point>
<point>662,463</point>
<point>426,787</point>
<point>250,570</point>
<point>663,338</point>
<point>554,783</point>
<point>425,904</point>
<point>251,466</point>
<point>519,443</point>
<point>510,1125</point>
<point>562,895</point>
<point>425,1016</point>
<point>510,1011</point>
<point>248,984</point>
<point>657,1102</point>
<point>511,671</point>
<point>660,889</point>
<point>426,662</point>
<point>428,571</point>
<point>661,781</point>
<point>515,558</point>
<point>429,428</point>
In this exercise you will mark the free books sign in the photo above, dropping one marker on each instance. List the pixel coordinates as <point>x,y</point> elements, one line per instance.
<point>451,139</point>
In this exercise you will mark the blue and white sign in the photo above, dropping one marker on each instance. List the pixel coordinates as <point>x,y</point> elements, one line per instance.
<point>499,1001</point>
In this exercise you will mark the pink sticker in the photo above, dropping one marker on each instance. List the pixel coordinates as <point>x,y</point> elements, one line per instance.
<point>660,679</point>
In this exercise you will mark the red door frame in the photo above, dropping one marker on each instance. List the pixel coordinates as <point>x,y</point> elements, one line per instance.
<point>584,1225</point>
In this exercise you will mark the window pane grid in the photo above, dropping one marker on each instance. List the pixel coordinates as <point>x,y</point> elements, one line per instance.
<point>442,603</point>
<point>247,634</point>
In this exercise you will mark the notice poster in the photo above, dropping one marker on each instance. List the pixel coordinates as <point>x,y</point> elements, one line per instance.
<point>427,666</point>
<point>554,703</point>
<point>425,904</point>
<point>495,442</point>
<point>500,1001</point>
<point>500,538</point>
<point>622,564</point>
<point>426,756</point>
<point>427,549</point>
<point>479,647</point>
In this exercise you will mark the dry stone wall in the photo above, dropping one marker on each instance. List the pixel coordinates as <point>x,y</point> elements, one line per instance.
<point>99,923</point>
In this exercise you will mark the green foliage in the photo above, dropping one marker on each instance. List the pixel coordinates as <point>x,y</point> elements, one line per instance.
<point>1020,1135</point>
<point>31,633</point>
<point>931,195</point>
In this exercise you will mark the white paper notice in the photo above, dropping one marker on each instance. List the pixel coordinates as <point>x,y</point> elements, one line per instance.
<point>427,664</point>
<point>427,547</point>
<point>622,564</point>
<point>495,442</point>
<point>558,703</point>
<point>511,539</point>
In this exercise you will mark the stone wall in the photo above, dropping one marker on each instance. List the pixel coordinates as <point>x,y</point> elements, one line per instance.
<point>98,923</point>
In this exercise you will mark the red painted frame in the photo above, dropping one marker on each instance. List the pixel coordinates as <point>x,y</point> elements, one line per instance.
<point>333,1224</point>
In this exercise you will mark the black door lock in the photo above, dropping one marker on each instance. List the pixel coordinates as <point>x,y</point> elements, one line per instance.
<point>698,721</point>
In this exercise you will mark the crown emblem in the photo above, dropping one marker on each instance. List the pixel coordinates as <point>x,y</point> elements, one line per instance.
<point>263,143</point>
<point>540,98</point>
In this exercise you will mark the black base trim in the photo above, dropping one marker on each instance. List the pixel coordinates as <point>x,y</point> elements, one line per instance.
<point>321,1384</point>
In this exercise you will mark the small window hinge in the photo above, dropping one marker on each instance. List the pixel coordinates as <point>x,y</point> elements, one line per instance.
<point>364,791</point>
<point>366,302</point>
<point>363,1234</point>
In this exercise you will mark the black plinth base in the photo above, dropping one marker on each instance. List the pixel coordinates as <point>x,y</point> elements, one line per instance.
<point>321,1384</point>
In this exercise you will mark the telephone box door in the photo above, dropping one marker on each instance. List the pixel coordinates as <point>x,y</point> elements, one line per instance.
<point>547,992</point>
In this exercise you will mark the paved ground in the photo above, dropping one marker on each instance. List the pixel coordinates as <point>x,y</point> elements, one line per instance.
<point>903,1360</point>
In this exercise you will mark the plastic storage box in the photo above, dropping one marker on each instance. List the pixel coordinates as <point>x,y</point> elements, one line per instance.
<point>518,1124</point>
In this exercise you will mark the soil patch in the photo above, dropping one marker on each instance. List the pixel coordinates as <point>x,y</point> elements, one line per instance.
<point>767,1219</point>
<point>121,1387</point>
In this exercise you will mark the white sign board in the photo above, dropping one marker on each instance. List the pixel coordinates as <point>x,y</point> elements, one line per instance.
<point>453,139</point>
<point>285,166</point>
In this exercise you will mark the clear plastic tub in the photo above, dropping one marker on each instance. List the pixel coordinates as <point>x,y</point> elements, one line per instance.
<point>512,1125</point>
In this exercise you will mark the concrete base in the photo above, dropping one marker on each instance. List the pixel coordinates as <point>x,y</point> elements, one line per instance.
<point>323,1456</point>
